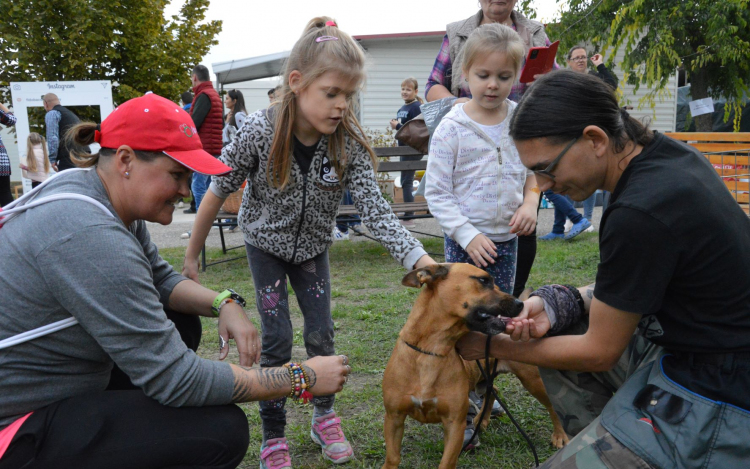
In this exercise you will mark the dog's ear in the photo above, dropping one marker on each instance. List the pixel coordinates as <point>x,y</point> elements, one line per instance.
<point>429,275</point>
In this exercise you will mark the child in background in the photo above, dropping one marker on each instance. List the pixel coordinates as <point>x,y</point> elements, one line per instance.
<point>477,188</point>
<point>410,110</point>
<point>37,165</point>
<point>298,156</point>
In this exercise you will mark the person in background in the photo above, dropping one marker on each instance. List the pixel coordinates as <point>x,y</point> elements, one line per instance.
<point>186,99</point>
<point>410,110</point>
<point>271,95</point>
<point>208,116</point>
<point>37,165</point>
<point>234,101</point>
<point>446,80</point>
<point>477,188</point>
<point>6,118</point>
<point>58,121</point>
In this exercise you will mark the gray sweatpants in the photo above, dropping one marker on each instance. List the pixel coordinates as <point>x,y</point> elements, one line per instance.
<point>311,282</point>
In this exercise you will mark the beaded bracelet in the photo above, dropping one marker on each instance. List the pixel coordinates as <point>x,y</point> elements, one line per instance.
<point>299,381</point>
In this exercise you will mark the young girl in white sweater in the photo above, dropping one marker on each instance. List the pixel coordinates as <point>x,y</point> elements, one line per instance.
<point>478,189</point>
<point>37,160</point>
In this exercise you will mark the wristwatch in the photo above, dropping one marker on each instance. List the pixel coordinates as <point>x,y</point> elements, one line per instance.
<point>227,294</point>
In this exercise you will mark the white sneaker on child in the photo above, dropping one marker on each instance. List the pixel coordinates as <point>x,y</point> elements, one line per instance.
<point>568,225</point>
<point>339,236</point>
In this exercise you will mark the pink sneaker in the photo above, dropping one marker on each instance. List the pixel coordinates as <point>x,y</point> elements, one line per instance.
<point>275,455</point>
<point>326,431</point>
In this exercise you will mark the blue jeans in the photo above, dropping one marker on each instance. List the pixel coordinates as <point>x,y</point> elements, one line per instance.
<point>199,187</point>
<point>354,220</point>
<point>588,207</point>
<point>407,181</point>
<point>563,209</point>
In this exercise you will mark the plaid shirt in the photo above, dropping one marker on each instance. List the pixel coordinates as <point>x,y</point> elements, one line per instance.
<point>7,119</point>
<point>441,73</point>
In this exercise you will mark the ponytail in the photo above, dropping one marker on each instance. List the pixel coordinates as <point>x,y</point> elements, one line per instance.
<point>562,103</point>
<point>83,134</point>
<point>77,138</point>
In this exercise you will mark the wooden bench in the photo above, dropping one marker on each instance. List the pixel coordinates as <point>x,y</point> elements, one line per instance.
<point>729,153</point>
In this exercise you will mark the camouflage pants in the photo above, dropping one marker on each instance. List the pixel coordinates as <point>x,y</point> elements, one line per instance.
<point>578,399</point>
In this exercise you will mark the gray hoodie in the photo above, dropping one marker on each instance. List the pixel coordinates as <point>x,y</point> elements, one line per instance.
<point>68,258</point>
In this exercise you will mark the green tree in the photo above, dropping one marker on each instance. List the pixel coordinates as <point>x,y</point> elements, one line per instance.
<point>129,42</point>
<point>709,39</point>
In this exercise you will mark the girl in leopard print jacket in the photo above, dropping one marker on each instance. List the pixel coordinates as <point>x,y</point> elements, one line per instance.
<point>298,157</point>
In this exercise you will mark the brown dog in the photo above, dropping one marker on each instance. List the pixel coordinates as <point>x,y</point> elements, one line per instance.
<point>425,377</point>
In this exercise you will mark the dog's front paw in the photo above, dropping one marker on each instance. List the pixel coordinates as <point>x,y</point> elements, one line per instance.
<point>559,438</point>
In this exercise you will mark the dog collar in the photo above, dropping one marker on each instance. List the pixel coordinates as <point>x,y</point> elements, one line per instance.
<point>422,351</point>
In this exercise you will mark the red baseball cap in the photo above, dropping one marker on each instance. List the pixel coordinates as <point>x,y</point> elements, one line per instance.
<point>156,124</point>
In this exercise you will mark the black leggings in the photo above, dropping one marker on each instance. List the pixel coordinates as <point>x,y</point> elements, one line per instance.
<point>5,196</point>
<point>526,256</point>
<point>119,429</point>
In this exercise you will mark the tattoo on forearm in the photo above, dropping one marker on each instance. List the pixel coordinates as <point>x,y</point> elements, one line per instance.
<point>252,384</point>
<point>590,293</point>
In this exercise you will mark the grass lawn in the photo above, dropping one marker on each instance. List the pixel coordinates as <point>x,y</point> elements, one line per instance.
<point>369,308</point>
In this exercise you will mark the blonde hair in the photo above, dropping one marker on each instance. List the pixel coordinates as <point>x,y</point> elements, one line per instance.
<point>493,37</point>
<point>313,59</point>
<point>36,139</point>
<point>413,82</point>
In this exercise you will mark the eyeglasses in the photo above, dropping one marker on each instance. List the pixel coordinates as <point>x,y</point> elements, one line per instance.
<point>547,172</point>
<point>578,59</point>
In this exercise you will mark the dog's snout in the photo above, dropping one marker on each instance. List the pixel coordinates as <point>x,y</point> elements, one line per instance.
<point>517,307</point>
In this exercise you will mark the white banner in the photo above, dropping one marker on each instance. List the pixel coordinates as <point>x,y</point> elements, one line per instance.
<point>25,95</point>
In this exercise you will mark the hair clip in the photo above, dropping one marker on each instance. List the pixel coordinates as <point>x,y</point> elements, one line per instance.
<point>331,23</point>
<point>326,38</point>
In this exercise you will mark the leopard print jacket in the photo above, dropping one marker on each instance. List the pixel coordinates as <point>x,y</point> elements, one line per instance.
<point>296,223</point>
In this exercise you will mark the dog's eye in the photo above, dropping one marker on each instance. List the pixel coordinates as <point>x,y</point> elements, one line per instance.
<point>484,281</point>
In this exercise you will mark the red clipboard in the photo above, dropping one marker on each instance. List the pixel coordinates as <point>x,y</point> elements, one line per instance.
<point>540,60</point>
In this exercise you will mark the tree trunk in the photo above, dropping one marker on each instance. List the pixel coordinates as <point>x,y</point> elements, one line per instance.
<point>699,90</point>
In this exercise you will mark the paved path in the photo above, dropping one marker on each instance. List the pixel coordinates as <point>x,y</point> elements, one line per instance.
<point>169,236</point>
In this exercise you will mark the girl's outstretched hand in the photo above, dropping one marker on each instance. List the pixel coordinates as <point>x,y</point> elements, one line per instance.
<point>482,250</point>
<point>190,269</point>
<point>327,375</point>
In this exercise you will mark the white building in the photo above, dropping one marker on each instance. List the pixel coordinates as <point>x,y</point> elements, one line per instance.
<point>394,57</point>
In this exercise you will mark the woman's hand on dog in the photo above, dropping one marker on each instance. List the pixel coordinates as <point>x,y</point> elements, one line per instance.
<point>531,323</point>
<point>327,375</point>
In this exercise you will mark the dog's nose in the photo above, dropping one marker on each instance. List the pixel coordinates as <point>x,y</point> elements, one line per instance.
<point>517,306</point>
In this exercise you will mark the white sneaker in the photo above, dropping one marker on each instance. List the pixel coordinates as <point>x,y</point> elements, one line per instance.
<point>590,229</point>
<point>181,204</point>
<point>339,236</point>
<point>568,225</point>
<point>185,235</point>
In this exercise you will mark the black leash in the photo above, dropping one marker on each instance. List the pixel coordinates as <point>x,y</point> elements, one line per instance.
<point>489,379</point>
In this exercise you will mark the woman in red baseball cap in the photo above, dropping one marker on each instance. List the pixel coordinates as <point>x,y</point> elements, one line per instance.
<point>98,332</point>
